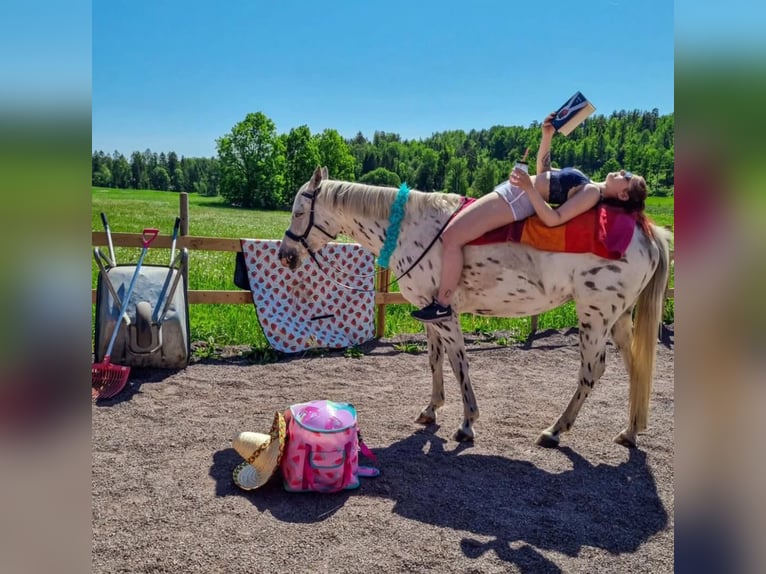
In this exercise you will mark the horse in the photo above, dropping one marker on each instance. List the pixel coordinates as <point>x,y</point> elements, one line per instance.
<point>500,280</point>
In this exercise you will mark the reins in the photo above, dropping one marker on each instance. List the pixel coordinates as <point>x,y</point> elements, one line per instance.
<point>302,240</point>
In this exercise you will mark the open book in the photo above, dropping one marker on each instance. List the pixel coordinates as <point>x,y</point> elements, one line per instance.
<point>572,113</point>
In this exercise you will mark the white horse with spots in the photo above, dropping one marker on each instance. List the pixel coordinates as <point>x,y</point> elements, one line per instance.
<point>502,280</point>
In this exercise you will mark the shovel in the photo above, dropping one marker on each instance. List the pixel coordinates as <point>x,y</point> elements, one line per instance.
<point>107,380</point>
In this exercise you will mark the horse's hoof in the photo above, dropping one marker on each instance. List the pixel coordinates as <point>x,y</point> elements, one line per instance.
<point>626,439</point>
<point>462,436</point>
<point>425,420</point>
<point>548,440</point>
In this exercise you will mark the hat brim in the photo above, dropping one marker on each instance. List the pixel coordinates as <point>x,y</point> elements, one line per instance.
<point>253,474</point>
<point>247,477</point>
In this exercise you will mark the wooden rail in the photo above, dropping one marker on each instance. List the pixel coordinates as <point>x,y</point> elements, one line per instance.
<point>383,297</point>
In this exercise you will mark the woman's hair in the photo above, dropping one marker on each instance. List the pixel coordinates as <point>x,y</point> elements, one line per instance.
<point>636,202</point>
<point>637,193</point>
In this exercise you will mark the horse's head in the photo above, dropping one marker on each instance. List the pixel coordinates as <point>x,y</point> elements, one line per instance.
<point>311,226</point>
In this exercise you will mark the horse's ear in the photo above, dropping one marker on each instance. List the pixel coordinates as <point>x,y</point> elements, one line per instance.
<point>325,174</point>
<point>316,179</point>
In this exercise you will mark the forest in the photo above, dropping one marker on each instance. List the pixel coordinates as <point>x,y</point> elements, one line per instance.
<point>256,167</point>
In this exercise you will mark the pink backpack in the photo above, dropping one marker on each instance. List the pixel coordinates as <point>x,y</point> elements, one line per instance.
<point>323,445</point>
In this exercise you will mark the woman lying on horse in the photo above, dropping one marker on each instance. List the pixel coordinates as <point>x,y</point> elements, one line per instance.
<point>569,189</point>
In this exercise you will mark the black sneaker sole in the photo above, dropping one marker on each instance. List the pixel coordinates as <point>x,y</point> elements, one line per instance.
<point>434,320</point>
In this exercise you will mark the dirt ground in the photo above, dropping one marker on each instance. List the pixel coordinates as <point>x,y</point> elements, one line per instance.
<point>164,500</point>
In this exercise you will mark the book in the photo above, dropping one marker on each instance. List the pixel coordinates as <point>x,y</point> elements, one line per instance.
<point>572,113</point>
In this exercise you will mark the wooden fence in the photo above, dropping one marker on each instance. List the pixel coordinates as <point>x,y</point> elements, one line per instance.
<point>383,297</point>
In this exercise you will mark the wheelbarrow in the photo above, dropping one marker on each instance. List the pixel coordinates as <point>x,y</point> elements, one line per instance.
<point>155,330</point>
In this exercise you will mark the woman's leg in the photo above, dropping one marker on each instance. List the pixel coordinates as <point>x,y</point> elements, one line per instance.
<point>486,214</point>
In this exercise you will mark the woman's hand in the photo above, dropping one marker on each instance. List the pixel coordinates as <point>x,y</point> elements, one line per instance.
<point>520,178</point>
<point>547,128</point>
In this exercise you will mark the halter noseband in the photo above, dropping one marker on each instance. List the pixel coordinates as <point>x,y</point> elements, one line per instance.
<point>302,238</point>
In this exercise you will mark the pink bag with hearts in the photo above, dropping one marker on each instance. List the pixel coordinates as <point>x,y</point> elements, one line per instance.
<point>323,446</point>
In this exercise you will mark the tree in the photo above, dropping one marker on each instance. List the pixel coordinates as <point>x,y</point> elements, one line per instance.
<point>177,180</point>
<point>173,170</point>
<point>301,158</point>
<point>485,179</point>
<point>456,179</point>
<point>120,171</point>
<point>103,177</point>
<point>425,175</point>
<point>160,179</point>
<point>334,153</point>
<point>139,177</point>
<point>381,176</point>
<point>251,160</point>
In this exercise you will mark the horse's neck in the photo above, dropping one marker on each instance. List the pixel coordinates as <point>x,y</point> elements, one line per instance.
<point>363,219</point>
<point>358,219</point>
<point>365,230</point>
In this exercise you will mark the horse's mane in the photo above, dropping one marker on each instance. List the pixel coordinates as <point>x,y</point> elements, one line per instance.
<point>375,201</point>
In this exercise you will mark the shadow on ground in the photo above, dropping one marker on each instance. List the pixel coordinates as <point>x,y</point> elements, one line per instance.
<point>518,506</point>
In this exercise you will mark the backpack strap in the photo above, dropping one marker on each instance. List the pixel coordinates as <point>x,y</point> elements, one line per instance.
<point>365,450</point>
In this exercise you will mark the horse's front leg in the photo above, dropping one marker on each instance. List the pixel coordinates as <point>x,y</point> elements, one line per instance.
<point>436,361</point>
<point>452,338</point>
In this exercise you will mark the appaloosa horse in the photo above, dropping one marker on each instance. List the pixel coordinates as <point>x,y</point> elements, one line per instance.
<point>502,280</point>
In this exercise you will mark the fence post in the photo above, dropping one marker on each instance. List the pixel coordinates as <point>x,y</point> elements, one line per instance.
<point>380,325</point>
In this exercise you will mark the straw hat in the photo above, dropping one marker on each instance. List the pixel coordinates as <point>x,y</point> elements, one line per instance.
<point>262,453</point>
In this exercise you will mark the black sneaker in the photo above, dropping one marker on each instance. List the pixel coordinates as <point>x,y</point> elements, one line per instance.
<point>432,313</point>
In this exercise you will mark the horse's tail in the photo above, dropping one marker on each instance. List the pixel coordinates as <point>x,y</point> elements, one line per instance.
<point>649,308</point>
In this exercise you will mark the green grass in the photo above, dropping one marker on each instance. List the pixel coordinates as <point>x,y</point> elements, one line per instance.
<point>130,211</point>
<point>660,210</point>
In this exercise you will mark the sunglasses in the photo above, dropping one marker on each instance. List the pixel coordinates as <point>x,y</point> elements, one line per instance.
<point>627,175</point>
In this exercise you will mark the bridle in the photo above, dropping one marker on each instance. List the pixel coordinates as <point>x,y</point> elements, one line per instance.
<point>302,240</point>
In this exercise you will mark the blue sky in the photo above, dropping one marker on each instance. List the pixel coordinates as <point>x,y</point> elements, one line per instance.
<point>174,76</point>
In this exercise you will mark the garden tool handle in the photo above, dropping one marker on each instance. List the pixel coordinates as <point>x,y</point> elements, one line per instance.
<point>176,227</point>
<point>113,262</point>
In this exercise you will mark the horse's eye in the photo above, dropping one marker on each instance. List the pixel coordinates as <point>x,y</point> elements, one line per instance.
<point>298,214</point>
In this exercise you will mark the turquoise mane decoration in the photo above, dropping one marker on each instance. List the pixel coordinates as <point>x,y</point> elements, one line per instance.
<point>394,223</point>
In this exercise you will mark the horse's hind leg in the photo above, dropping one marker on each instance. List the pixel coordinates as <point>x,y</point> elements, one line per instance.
<point>592,365</point>
<point>622,335</point>
<point>436,362</point>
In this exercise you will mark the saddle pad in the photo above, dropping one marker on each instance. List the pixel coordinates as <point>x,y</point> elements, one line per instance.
<point>304,309</point>
<point>605,231</point>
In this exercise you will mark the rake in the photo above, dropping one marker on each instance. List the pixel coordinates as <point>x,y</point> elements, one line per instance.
<point>107,380</point>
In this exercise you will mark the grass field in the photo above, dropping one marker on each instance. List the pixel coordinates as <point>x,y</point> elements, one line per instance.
<point>131,211</point>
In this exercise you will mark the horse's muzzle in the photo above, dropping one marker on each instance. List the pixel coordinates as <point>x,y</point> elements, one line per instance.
<point>288,256</point>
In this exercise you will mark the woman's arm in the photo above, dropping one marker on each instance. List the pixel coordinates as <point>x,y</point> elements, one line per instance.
<point>580,202</point>
<point>544,151</point>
